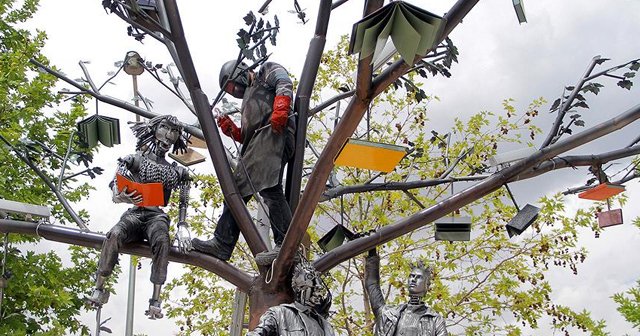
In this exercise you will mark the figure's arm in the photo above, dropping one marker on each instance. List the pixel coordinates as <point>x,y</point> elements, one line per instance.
<point>127,166</point>
<point>183,235</point>
<point>440,326</point>
<point>268,325</point>
<point>277,77</point>
<point>372,281</point>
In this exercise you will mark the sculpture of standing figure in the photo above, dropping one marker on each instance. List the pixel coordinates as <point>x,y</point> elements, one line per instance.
<point>147,165</point>
<point>413,318</point>
<point>307,315</point>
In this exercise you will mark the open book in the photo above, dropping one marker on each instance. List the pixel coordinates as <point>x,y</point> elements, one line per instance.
<point>152,193</point>
<point>98,128</point>
<point>413,30</point>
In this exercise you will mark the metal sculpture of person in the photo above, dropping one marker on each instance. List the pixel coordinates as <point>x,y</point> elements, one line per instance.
<point>147,165</point>
<point>413,318</point>
<point>307,316</point>
<point>267,138</point>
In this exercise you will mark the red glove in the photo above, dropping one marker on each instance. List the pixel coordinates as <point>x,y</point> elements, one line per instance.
<point>280,113</point>
<point>229,128</point>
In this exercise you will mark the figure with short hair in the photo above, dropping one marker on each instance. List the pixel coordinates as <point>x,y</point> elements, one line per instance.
<point>307,315</point>
<point>266,133</point>
<point>150,223</point>
<point>413,318</point>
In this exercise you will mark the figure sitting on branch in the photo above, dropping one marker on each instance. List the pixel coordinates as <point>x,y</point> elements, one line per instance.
<point>267,138</point>
<point>143,171</point>
<point>410,319</point>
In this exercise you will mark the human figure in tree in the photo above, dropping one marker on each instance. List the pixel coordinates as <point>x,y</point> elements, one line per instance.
<point>147,222</point>
<point>266,101</point>
<point>307,316</point>
<point>413,318</point>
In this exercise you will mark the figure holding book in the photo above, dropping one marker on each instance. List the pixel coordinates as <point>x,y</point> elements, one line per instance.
<point>413,318</point>
<point>146,180</point>
<point>267,138</point>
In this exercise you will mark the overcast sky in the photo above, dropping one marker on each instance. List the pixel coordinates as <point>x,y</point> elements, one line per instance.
<point>498,59</point>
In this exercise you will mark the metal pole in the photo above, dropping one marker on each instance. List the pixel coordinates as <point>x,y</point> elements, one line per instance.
<point>4,263</point>
<point>237,319</point>
<point>131,293</point>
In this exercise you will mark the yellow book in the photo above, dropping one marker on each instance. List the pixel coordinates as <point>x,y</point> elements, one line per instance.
<point>370,155</point>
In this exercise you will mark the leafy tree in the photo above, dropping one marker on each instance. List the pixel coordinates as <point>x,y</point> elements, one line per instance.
<point>629,304</point>
<point>493,276</point>
<point>43,296</point>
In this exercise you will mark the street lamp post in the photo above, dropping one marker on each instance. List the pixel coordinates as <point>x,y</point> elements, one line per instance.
<point>133,65</point>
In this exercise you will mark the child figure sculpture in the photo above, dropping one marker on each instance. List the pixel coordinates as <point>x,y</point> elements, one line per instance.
<point>148,221</point>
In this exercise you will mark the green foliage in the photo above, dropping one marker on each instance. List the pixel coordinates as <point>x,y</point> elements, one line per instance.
<point>629,304</point>
<point>43,296</point>
<point>487,286</point>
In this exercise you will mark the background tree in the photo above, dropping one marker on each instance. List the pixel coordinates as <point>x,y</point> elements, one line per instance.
<point>43,294</point>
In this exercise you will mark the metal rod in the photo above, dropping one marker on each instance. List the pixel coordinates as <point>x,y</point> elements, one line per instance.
<point>513,199</point>
<point>301,104</point>
<point>4,265</point>
<point>201,104</point>
<point>74,236</point>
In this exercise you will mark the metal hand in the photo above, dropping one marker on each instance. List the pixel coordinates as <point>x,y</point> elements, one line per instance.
<point>183,236</point>
<point>123,197</point>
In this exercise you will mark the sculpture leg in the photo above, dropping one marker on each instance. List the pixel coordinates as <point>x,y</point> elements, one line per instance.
<point>157,234</point>
<point>224,238</point>
<point>124,232</point>
<point>279,211</point>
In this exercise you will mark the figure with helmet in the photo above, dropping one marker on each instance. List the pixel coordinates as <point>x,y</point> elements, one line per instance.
<point>267,96</point>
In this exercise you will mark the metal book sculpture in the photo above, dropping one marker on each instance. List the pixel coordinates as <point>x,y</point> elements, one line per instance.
<point>146,180</point>
<point>307,315</point>
<point>410,319</point>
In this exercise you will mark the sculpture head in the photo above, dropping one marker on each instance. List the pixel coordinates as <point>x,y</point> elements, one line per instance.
<point>309,288</point>
<point>419,280</point>
<point>234,79</point>
<point>159,134</point>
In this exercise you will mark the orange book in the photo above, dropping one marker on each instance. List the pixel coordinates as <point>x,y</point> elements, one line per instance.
<point>152,193</point>
<point>601,192</point>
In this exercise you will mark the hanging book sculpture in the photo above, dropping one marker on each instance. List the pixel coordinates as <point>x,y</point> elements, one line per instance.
<point>98,128</point>
<point>188,158</point>
<point>413,30</point>
<point>602,192</point>
<point>609,218</point>
<point>152,193</point>
<point>370,155</point>
<point>453,228</point>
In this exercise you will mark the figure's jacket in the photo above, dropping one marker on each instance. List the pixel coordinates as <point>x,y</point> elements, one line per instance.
<point>290,319</point>
<point>387,316</point>
<point>264,153</point>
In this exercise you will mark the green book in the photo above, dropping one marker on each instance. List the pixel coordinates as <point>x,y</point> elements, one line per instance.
<point>98,128</point>
<point>413,31</point>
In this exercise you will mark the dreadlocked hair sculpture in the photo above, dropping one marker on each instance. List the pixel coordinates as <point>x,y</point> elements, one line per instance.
<point>145,132</point>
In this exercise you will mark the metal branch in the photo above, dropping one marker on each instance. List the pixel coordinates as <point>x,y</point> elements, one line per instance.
<point>562,110</point>
<point>216,149</point>
<point>345,128</point>
<point>63,200</point>
<point>395,186</point>
<point>471,194</point>
<point>330,102</point>
<point>113,101</point>
<point>338,3</point>
<point>72,236</point>
<point>617,67</point>
<point>578,160</point>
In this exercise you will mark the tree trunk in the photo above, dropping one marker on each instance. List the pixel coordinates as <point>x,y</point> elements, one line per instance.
<point>261,297</point>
